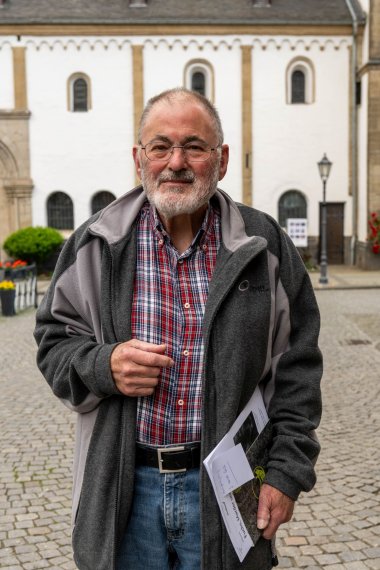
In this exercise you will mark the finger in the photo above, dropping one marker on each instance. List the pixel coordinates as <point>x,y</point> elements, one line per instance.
<point>263,512</point>
<point>134,370</point>
<point>147,346</point>
<point>149,359</point>
<point>270,530</point>
<point>136,386</point>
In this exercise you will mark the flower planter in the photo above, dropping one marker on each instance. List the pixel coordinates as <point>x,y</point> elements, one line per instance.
<point>7,298</point>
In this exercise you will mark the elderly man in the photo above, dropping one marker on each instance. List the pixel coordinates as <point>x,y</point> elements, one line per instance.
<point>165,311</point>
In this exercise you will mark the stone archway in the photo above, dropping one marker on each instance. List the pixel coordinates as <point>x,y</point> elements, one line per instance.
<point>15,195</point>
<point>15,183</point>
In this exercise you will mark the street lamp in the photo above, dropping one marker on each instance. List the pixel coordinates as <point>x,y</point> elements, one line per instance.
<point>324,167</point>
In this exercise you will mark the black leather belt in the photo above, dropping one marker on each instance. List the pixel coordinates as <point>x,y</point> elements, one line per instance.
<point>169,459</point>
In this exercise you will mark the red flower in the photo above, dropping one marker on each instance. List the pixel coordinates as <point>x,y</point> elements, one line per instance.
<point>374,232</point>
<point>13,264</point>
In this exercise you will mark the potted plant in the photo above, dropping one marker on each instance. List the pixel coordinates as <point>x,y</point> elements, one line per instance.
<point>7,297</point>
<point>374,232</point>
<point>13,269</point>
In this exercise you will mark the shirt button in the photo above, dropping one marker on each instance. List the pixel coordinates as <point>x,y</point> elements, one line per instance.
<point>186,353</point>
<point>161,242</point>
<point>180,261</point>
<point>180,402</point>
<point>204,247</point>
<point>187,305</point>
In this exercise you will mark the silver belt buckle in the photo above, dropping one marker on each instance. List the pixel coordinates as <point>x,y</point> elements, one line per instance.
<point>162,450</point>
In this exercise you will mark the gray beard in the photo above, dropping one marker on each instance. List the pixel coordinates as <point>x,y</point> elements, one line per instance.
<point>175,201</point>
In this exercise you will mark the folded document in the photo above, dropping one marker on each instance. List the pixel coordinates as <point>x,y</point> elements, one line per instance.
<point>236,468</point>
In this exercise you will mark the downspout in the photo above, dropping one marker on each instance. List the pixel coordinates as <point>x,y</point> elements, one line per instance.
<point>354,136</point>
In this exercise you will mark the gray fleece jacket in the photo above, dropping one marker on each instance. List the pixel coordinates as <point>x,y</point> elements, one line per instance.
<point>261,326</point>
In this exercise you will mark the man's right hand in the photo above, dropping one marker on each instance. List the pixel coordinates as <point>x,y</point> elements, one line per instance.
<point>136,366</point>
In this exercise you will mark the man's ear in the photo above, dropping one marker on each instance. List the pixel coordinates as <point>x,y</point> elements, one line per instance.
<point>223,161</point>
<point>136,159</point>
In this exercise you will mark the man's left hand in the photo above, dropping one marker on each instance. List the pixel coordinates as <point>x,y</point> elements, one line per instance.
<point>275,508</point>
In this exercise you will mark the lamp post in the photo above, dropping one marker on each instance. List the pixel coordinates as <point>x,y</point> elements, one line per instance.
<point>324,167</point>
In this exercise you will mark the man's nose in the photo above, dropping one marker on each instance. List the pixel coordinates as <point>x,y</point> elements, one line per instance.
<point>178,158</point>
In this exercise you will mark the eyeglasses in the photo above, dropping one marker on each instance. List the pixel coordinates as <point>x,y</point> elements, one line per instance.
<point>194,151</point>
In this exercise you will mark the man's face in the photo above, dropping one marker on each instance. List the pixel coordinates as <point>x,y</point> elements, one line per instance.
<point>179,186</point>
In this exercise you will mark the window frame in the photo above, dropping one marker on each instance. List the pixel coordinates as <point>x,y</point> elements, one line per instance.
<point>70,216</point>
<point>96,195</point>
<point>70,92</point>
<point>307,68</point>
<point>281,208</point>
<point>200,66</point>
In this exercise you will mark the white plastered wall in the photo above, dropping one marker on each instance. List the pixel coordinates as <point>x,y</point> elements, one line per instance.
<point>84,152</point>
<point>6,74</point>
<point>289,139</point>
<point>165,61</point>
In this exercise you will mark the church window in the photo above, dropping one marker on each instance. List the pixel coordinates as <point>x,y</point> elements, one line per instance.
<point>60,211</point>
<point>100,200</point>
<point>298,86</point>
<point>300,81</point>
<point>199,77</point>
<point>292,204</point>
<point>198,82</point>
<point>79,93</point>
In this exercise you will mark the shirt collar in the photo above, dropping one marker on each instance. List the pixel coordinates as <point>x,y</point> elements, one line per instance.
<point>202,235</point>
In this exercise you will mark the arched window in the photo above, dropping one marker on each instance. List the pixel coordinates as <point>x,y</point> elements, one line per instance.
<point>198,82</point>
<point>292,204</point>
<point>60,211</point>
<point>79,93</point>
<point>298,86</point>
<point>300,82</point>
<point>199,77</point>
<point>100,200</point>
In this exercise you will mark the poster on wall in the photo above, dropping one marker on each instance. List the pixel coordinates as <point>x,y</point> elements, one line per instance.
<point>297,231</point>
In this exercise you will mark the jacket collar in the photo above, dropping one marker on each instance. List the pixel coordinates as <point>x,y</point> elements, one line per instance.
<point>116,220</point>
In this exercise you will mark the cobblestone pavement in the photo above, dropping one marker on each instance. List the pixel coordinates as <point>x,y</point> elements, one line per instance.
<point>336,526</point>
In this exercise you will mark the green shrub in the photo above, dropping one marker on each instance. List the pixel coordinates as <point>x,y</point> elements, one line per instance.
<point>33,244</point>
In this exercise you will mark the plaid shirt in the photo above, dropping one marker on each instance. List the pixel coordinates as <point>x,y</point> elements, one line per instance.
<point>169,299</point>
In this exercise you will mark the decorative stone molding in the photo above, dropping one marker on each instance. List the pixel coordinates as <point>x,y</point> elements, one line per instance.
<point>14,115</point>
<point>296,43</point>
<point>18,188</point>
<point>173,40</point>
<point>77,44</point>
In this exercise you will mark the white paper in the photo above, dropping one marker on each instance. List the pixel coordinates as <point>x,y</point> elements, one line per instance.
<point>231,469</point>
<point>240,538</point>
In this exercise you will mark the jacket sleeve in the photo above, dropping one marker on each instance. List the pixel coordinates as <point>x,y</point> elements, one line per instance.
<point>71,354</point>
<point>294,389</point>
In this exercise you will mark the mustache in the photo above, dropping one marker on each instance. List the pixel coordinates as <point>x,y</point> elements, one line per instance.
<point>185,175</point>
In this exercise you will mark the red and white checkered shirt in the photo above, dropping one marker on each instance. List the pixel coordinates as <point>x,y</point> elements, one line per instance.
<point>169,299</point>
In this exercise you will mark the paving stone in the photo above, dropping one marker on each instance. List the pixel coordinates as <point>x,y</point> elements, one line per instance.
<point>335,527</point>
<point>325,559</point>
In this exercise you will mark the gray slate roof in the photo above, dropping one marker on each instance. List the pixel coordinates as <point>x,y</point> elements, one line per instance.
<point>327,12</point>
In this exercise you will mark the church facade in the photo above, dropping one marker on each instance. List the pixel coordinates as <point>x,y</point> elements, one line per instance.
<point>292,80</point>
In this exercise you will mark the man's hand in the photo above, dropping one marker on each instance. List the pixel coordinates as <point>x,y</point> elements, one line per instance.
<point>136,365</point>
<point>274,509</point>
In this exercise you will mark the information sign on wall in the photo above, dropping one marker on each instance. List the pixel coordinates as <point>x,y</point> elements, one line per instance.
<point>297,231</point>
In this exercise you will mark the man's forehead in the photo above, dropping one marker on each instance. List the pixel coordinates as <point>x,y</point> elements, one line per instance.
<point>178,106</point>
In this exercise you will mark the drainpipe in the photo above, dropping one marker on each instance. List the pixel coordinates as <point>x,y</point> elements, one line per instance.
<point>354,137</point>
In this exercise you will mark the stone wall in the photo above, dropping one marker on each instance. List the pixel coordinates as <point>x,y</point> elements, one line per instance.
<point>15,183</point>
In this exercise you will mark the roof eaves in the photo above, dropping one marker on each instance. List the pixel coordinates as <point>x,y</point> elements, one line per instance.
<point>188,21</point>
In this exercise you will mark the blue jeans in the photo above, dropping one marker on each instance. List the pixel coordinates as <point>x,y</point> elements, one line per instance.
<point>164,527</point>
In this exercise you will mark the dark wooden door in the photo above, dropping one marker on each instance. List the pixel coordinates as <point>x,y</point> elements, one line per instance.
<point>335,232</point>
